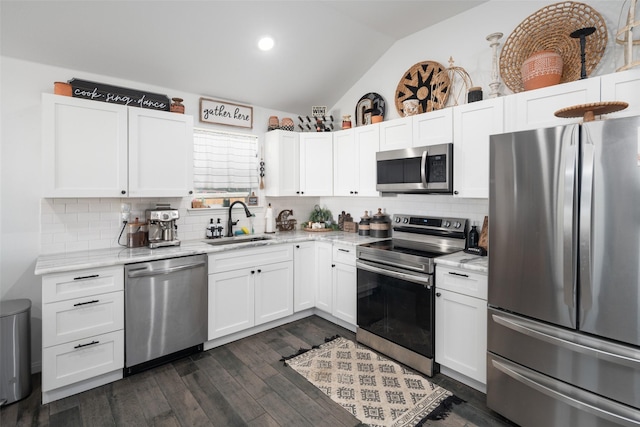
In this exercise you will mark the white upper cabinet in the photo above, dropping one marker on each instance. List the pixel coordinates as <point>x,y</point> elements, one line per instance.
<point>160,153</point>
<point>84,149</point>
<point>473,125</point>
<point>282,163</point>
<point>623,86</point>
<point>535,109</point>
<point>396,134</point>
<point>354,161</point>
<point>434,127</point>
<point>316,164</point>
<point>298,164</point>
<point>367,145</point>
<point>345,178</point>
<point>96,149</point>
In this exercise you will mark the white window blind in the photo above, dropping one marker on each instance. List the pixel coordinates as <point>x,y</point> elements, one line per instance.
<point>225,162</point>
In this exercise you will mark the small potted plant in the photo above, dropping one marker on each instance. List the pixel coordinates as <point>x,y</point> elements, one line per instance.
<point>319,218</point>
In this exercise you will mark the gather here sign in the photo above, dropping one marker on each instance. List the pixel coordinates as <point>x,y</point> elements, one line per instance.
<point>226,113</point>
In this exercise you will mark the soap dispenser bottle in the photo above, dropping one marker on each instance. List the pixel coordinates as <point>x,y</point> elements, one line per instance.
<point>218,230</point>
<point>210,229</point>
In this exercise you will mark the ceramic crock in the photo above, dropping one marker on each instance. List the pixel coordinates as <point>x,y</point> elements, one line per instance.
<point>542,69</point>
<point>380,225</point>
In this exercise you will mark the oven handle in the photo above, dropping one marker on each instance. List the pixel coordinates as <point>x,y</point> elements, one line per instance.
<point>424,281</point>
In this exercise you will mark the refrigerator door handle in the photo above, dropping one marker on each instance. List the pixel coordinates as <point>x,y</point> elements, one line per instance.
<point>586,206</point>
<point>613,353</point>
<point>569,395</point>
<point>569,207</point>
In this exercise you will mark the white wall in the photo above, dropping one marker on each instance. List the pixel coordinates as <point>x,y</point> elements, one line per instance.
<point>30,226</point>
<point>464,38</point>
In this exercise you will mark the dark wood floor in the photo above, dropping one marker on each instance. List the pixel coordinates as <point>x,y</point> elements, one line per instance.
<point>239,384</point>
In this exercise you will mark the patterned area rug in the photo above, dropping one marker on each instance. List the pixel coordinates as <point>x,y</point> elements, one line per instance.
<point>377,391</point>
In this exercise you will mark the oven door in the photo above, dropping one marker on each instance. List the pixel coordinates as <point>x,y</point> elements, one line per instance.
<point>397,306</point>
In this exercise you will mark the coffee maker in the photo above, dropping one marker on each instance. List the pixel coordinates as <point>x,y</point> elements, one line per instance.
<point>163,230</point>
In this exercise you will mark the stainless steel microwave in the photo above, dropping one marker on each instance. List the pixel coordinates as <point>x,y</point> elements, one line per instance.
<point>416,170</point>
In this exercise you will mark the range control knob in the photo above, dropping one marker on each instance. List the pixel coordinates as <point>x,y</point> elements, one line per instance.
<point>457,225</point>
<point>397,219</point>
<point>405,220</point>
<point>446,224</point>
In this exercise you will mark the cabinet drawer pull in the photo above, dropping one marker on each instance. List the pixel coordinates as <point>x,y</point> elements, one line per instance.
<point>344,250</point>
<point>93,276</point>
<point>458,274</point>
<point>85,303</point>
<point>88,344</point>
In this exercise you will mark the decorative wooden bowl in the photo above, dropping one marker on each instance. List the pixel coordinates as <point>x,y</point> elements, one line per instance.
<point>589,111</point>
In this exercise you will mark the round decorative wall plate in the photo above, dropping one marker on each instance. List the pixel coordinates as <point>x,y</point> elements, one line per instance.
<point>369,105</point>
<point>418,83</point>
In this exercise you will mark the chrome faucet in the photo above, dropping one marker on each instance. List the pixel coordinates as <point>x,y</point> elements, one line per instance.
<point>231,223</point>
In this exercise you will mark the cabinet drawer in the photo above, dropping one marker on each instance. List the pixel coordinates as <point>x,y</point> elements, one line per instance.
<point>76,319</point>
<point>83,359</point>
<point>81,283</point>
<point>462,281</point>
<point>344,254</point>
<point>246,258</point>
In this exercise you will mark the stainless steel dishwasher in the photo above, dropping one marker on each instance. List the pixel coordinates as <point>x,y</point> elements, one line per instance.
<point>165,310</point>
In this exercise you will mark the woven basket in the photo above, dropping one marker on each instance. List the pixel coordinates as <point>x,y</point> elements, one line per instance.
<point>549,29</point>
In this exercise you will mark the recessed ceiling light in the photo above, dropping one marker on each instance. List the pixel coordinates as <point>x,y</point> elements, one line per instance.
<point>265,43</point>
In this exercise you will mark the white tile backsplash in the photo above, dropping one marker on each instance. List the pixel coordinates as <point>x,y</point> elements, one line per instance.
<point>69,225</point>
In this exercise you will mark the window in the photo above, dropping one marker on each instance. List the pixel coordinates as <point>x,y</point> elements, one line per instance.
<point>225,163</point>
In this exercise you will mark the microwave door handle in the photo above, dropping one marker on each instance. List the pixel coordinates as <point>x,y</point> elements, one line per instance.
<point>423,168</point>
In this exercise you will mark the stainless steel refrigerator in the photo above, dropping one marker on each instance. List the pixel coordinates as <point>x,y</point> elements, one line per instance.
<point>564,275</point>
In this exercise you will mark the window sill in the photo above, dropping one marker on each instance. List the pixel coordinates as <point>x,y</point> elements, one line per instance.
<point>218,208</point>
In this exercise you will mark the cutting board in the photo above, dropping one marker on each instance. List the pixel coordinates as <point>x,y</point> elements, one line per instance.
<point>484,235</point>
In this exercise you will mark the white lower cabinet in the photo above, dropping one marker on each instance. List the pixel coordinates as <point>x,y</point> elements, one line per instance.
<point>274,292</point>
<point>304,276</point>
<point>461,322</point>
<point>344,284</point>
<point>75,361</point>
<point>231,302</point>
<point>79,318</point>
<point>336,292</point>
<point>324,284</point>
<point>248,288</point>
<point>82,330</point>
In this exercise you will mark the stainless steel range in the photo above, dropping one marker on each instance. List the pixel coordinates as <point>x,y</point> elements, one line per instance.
<point>396,293</point>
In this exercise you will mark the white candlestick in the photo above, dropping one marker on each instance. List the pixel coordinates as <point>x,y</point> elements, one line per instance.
<point>495,83</point>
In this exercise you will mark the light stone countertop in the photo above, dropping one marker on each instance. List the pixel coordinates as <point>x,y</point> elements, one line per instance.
<point>465,261</point>
<point>71,261</point>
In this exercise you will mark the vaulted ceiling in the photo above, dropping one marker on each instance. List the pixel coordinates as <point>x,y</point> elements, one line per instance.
<point>209,47</point>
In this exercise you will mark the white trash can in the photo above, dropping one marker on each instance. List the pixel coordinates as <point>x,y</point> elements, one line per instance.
<point>15,350</point>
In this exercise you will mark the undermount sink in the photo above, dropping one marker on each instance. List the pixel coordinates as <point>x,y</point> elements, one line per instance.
<point>235,240</point>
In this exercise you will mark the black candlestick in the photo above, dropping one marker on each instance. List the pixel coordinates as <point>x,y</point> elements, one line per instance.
<point>582,34</point>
